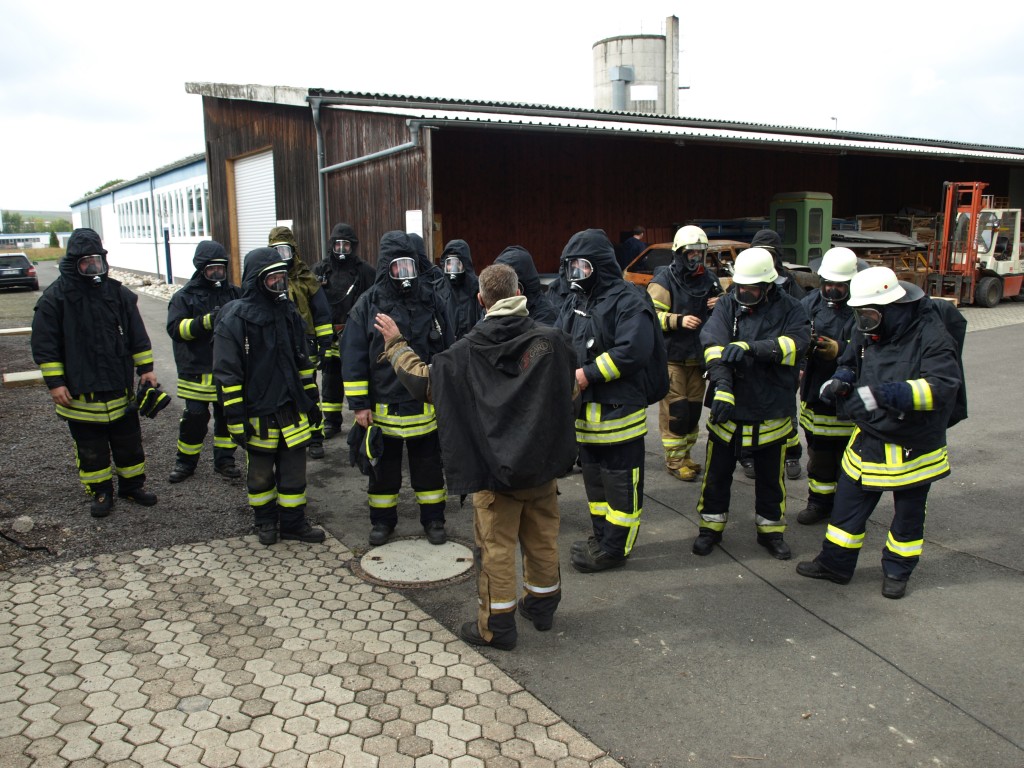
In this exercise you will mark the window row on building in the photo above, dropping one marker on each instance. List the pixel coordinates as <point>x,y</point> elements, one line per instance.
<point>182,211</point>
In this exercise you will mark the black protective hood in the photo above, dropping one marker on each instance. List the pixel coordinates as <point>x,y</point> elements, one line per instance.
<point>521,261</point>
<point>343,232</point>
<point>460,248</point>
<point>594,245</point>
<point>255,262</point>
<point>207,251</point>
<point>83,242</point>
<point>394,245</point>
<point>420,252</point>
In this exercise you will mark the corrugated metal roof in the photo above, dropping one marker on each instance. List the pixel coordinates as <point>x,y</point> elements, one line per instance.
<point>152,174</point>
<point>684,129</point>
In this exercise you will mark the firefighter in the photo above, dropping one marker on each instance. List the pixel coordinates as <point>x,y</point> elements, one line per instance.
<point>191,316</point>
<point>898,382</point>
<point>264,374</point>
<point>683,294</point>
<point>753,344</point>
<point>304,291</point>
<point>771,241</point>
<point>87,336</point>
<point>477,385</point>
<point>344,276</point>
<point>457,265</point>
<point>538,301</point>
<point>376,396</point>
<point>831,326</point>
<point>613,334</point>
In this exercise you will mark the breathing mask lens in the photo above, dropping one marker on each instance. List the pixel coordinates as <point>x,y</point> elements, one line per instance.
<point>92,265</point>
<point>453,266</point>
<point>750,295</point>
<point>216,271</point>
<point>835,292</point>
<point>285,251</point>
<point>276,282</point>
<point>403,268</point>
<point>580,269</point>
<point>342,248</point>
<point>868,318</point>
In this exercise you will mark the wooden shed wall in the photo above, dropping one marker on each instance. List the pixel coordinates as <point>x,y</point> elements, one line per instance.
<point>235,128</point>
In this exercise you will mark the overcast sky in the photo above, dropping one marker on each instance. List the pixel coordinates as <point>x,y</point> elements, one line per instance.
<point>96,91</point>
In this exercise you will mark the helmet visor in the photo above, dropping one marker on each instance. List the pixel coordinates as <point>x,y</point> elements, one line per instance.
<point>580,269</point>
<point>276,281</point>
<point>216,271</point>
<point>453,266</point>
<point>91,265</point>
<point>342,247</point>
<point>750,295</point>
<point>286,252</point>
<point>835,291</point>
<point>403,268</point>
<point>700,248</point>
<point>868,318</point>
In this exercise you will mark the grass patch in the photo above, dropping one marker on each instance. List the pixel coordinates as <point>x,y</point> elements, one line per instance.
<point>37,254</point>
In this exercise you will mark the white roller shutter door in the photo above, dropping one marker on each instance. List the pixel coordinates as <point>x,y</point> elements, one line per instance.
<point>255,202</point>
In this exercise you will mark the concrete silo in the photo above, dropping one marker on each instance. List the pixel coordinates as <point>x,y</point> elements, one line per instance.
<point>638,73</point>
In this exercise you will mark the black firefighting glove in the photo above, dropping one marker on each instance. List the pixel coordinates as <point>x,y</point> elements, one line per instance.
<point>240,432</point>
<point>150,400</point>
<point>734,353</point>
<point>722,406</point>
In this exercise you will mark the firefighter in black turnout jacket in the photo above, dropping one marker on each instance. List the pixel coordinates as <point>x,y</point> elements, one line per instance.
<point>613,330</point>
<point>376,396</point>
<point>538,303</point>
<point>191,315</point>
<point>831,326</point>
<point>344,276</point>
<point>684,294</point>
<point>457,265</point>
<point>753,345</point>
<point>898,381</point>
<point>87,336</point>
<point>304,291</point>
<point>262,367</point>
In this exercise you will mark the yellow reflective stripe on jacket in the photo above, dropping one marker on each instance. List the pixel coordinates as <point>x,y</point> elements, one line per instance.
<point>233,389</point>
<point>96,412</point>
<point>725,396</point>
<point>204,390</point>
<point>904,548</point>
<point>592,429</point>
<point>788,349</point>
<point>712,353</point>
<point>923,400</point>
<point>841,538</point>
<point>413,425</point>
<point>896,472</point>
<point>185,329</point>
<point>357,388</point>
<point>823,424</point>
<point>607,367</point>
<point>323,330</point>
<point>52,369</point>
<point>769,431</point>
<point>143,358</point>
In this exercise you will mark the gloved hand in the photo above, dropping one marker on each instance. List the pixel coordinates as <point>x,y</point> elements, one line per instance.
<point>826,348</point>
<point>734,352</point>
<point>722,406</point>
<point>896,395</point>
<point>315,416</point>
<point>240,432</point>
<point>210,318</point>
<point>833,389</point>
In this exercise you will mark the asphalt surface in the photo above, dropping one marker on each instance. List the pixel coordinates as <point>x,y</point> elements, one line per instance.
<point>734,659</point>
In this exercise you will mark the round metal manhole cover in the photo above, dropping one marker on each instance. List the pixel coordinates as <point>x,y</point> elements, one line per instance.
<point>415,562</point>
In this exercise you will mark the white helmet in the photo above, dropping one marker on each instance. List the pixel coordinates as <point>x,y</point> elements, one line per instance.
<point>875,285</point>
<point>838,265</point>
<point>690,238</point>
<point>754,265</point>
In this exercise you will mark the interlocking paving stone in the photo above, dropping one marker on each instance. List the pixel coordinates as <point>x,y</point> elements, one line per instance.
<point>229,654</point>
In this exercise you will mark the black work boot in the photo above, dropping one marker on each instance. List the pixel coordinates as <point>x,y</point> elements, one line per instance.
<point>539,610</point>
<point>181,471</point>
<point>102,503</point>
<point>331,429</point>
<point>303,532</point>
<point>705,541</point>
<point>380,533</point>
<point>587,561</point>
<point>776,546</point>
<point>815,570</point>
<point>503,631</point>
<point>435,532</point>
<point>267,533</point>
<point>813,513</point>
<point>591,543</point>
<point>138,495</point>
<point>229,471</point>
<point>316,449</point>
<point>893,588</point>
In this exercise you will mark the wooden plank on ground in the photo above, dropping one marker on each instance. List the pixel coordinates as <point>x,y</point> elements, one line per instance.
<point>23,378</point>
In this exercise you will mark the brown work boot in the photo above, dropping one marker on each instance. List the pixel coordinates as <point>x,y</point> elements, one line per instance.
<point>691,464</point>
<point>684,473</point>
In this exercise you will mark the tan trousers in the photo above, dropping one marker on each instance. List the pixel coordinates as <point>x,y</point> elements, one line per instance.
<point>527,519</point>
<point>683,402</point>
